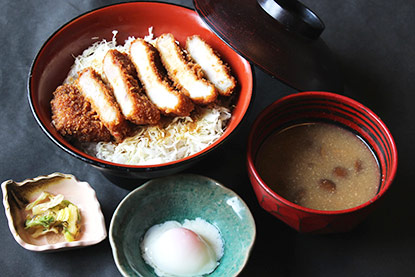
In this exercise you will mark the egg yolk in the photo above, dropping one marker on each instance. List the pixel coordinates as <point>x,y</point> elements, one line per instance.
<point>180,251</point>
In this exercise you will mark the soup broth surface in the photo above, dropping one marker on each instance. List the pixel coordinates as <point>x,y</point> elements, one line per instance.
<point>319,166</point>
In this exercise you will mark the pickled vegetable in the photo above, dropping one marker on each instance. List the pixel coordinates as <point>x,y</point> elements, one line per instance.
<point>52,213</point>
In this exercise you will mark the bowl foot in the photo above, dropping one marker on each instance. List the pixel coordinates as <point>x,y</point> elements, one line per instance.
<point>124,182</point>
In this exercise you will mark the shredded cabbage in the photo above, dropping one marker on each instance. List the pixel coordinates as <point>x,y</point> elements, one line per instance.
<point>180,138</point>
<point>93,57</point>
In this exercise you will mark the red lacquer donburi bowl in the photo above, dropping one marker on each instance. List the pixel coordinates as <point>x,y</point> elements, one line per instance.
<point>55,58</point>
<point>330,108</point>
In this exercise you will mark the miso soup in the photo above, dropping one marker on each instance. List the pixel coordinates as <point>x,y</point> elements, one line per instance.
<point>319,166</point>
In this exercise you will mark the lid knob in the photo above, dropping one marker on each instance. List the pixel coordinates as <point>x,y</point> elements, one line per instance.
<point>295,16</point>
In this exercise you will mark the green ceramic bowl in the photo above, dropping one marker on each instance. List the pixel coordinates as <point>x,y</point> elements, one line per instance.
<point>178,198</point>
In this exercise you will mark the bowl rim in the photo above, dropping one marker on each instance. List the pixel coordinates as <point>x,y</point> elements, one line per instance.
<point>322,95</point>
<point>127,167</point>
<point>147,185</point>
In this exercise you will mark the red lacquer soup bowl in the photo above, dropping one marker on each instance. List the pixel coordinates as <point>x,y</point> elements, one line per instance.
<point>56,56</point>
<point>309,107</point>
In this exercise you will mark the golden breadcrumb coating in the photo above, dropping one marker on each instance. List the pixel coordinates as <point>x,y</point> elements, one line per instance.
<point>121,75</point>
<point>215,70</point>
<point>74,117</point>
<point>185,73</point>
<point>156,84</point>
<point>102,100</point>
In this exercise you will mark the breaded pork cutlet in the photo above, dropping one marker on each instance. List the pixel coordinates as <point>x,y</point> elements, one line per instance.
<point>74,117</point>
<point>150,72</point>
<point>103,102</point>
<point>185,74</point>
<point>213,67</point>
<point>134,104</point>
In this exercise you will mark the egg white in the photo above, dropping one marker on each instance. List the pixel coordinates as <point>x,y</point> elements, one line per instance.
<point>158,249</point>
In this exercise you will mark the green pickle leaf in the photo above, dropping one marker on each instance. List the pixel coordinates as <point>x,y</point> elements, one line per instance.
<point>44,221</point>
<point>52,213</point>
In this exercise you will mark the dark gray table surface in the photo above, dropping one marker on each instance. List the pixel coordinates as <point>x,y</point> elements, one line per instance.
<point>374,42</point>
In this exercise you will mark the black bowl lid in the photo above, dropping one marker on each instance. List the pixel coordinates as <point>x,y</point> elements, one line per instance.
<point>279,36</point>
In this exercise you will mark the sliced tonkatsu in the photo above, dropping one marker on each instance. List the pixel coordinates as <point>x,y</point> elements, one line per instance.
<point>74,118</point>
<point>215,70</point>
<point>103,102</point>
<point>121,75</point>
<point>150,72</point>
<point>186,74</point>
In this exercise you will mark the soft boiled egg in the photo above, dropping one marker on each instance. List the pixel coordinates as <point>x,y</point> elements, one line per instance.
<point>189,249</point>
